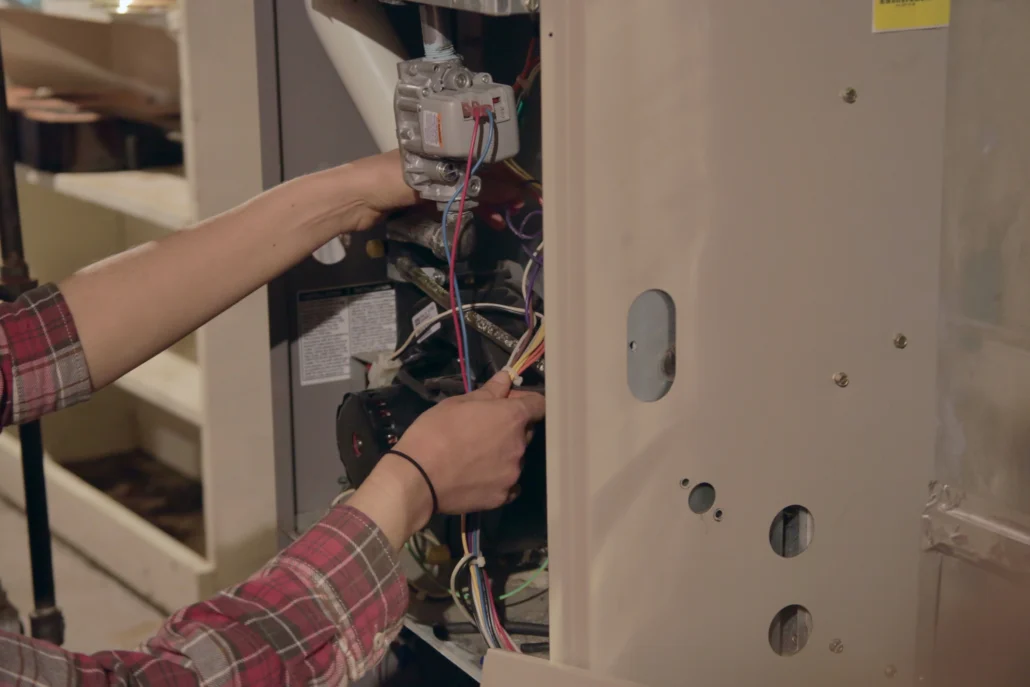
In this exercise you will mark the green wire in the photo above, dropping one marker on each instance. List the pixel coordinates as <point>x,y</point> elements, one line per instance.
<point>525,584</point>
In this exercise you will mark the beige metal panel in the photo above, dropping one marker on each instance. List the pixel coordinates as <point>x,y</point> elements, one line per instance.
<point>703,147</point>
<point>983,525</point>
<point>506,669</point>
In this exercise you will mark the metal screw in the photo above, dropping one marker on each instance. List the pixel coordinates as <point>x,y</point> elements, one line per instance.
<point>669,363</point>
<point>531,5</point>
<point>841,379</point>
<point>850,95</point>
<point>485,78</point>
<point>837,646</point>
<point>425,92</point>
<point>890,671</point>
<point>462,81</point>
<point>900,341</point>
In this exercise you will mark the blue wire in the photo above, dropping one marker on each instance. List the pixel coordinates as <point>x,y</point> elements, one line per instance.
<point>474,535</point>
<point>447,248</point>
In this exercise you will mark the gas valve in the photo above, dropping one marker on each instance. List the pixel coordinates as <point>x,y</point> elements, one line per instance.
<point>435,104</point>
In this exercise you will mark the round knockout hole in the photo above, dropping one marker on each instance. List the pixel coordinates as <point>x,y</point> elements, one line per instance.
<point>791,531</point>
<point>718,515</point>
<point>702,498</point>
<point>790,630</point>
<point>684,483</point>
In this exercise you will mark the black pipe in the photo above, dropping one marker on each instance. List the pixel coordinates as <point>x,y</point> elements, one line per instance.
<point>46,620</point>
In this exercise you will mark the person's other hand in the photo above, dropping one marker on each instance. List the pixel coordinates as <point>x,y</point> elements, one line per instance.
<point>471,446</point>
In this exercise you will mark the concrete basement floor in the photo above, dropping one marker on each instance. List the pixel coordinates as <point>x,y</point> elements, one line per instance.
<point>99,613</point>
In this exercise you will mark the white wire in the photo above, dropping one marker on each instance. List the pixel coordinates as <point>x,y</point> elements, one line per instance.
<point>525,274</point>
<point>422,328</point>
<point>454,590</point>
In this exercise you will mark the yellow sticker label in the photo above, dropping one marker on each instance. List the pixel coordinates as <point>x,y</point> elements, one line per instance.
<point>909,15</point>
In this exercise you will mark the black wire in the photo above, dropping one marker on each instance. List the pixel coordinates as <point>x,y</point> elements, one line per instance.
<point>443,630</point>
<point>535,647</point>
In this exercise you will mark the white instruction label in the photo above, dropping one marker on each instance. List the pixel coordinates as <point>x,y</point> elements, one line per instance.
<point>432,135</point>
<point>334,324</point>
<point>421,317</point>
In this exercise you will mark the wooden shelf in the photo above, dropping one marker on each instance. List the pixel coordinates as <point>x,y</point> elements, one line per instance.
<point>159,196</point>
<point>83,10</point>
<point>171,383</point>
<point>154,564</point>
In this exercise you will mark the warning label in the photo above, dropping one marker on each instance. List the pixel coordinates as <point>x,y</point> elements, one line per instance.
<point>910,15</point>
<point>432,135</point>
<point>422,317</point>
<point>335,324</point>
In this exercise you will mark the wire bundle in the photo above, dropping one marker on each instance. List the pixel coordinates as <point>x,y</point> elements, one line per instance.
<point>485,615</point>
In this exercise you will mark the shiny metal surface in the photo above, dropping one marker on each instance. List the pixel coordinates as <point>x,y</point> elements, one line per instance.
<point>981,529</point>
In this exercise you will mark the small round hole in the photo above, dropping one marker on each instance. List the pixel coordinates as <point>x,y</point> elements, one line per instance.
<point>790,630</point>
<point>791,531</point>
<point>632,345</point>
<point>702,498</point>
<point>684,483</point>
<point>718,515</point>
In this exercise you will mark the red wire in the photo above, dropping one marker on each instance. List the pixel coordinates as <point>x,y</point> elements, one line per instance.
<point>509,645</point>
<point>537,355</point>
<point>476,114</point>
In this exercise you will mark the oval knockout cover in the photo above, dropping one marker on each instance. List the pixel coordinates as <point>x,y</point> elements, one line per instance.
<point>651,345</point>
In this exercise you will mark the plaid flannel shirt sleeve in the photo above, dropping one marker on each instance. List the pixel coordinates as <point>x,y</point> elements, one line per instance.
<point>42,365</point>
<point>323,612</point>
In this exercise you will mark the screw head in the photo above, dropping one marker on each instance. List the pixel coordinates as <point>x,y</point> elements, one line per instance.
<point>669,363</point>
<point>841,379</point>
<point>425,92</point>
<point>837,646</point>
<point>849,95</point>
<point>531,5</point>
<point>900,341</point>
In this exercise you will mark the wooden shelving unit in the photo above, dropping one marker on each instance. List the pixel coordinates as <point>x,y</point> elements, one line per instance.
<point>161,197</point>
<point>204,406</point>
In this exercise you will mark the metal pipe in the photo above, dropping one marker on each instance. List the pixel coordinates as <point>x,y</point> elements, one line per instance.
<point>364,49</point>
<point>436,33</point>
<point>14,268</point>
<point>46,620</point>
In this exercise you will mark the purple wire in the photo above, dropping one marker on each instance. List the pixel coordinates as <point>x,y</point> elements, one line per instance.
<point>520,231</point>
<point>534,271</point>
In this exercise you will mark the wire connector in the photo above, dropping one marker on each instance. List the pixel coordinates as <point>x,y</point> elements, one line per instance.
<point>516,379</point>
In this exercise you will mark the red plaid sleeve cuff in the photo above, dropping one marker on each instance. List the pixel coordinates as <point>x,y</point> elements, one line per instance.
<point>42,365</point>
<point>321,613</point>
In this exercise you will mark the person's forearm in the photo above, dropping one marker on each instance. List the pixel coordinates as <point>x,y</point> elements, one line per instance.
<point>133,305</point>
<point>395,497</point>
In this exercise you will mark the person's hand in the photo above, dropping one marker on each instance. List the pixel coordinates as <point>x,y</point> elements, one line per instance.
<point>471,447</point>
<point>386,191</point>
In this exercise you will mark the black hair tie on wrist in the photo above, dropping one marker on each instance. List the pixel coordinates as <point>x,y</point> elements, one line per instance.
<point>429,482</point>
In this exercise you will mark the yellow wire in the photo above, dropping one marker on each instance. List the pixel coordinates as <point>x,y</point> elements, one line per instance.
<point>534,344</point>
